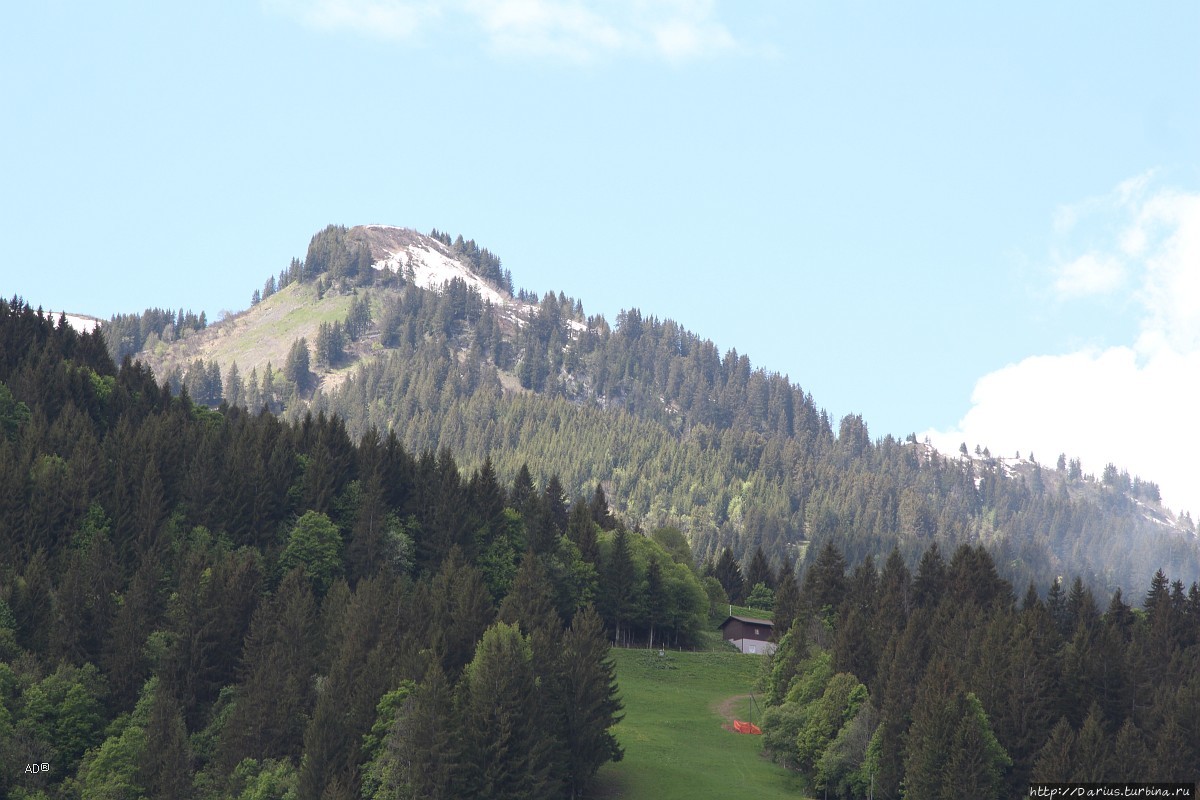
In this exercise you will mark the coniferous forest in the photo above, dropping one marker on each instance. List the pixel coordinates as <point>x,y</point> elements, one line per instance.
<point>679,433</point>
<point>939,683</point>
<point>225,586</point>
<point>200,603</point>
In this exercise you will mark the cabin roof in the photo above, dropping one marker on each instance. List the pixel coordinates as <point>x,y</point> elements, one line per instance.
<point>747,620</point>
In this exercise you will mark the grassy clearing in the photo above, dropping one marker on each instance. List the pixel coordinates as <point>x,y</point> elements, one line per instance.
<point>257,336</point>
<point>674,744</point>
<point>747,611</point>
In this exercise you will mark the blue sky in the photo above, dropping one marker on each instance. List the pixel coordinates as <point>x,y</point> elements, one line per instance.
<point>902,206</point>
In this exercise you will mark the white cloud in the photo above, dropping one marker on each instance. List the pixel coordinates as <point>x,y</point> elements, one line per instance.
<point>546,28</point>
<point>394,20</point>
<point>1089,274</point>
<point>1133,405</point>
<point>573,30</point>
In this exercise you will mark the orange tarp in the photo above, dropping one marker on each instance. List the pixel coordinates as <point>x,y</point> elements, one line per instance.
<point>746,727</point>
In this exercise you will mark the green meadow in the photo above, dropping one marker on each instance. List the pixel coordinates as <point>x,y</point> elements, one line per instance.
<point>675,746</point>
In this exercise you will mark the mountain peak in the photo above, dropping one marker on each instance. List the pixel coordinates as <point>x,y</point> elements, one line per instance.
<point>433,263</point>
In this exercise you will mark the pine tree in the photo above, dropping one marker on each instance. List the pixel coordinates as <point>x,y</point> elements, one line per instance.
<point>506,753</point>
<point>618,585</point>
<point>654,598</point>
<point>825,581</point>
<point>165,769</point>
<point>600,511</point>
<point>1129,757</point>
<point>296,370</point>
<point>1056,760</point>
<point>760,571</point>
<point>787,606</point>
<point>591,706</point>
<point>581,529</point>
<point>422,757</point>
<point>977,761</point>
<point>729,572</point>
<point>931,578</point>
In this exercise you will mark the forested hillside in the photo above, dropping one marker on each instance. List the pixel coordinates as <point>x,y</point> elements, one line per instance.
<point>938,683</point>
<point>676,431</point>
<point>201,603</point>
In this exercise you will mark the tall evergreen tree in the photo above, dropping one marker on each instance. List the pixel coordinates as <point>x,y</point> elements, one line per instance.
<point>165,768</point>
<point>931,578</point>
<point>591,706</point>
<point>787,601</point>
<point>422,756</point>
<point>760,571</point>
<point>619,585</point>
<point>1056,760</point>
<point>825,581</point>
<point>581,529</point>
<point>729,572</point>
<point>505,749</point>
<point>601,514</point>
<point>297,369</point>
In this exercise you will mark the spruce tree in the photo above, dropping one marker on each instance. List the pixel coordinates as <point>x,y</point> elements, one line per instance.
<point>505,750</point>
<point>977,762</point>
<point>581,529</point>
<point>165,768</point>
<point>235,390</point>
<point>422,755</point>
<point>654,598</point>
<point>1056,760</point>
<point>729,572</point>
<point>601,514</point>
<point>787,605</point>
<point>296,370</point>
<point>760,571</point>
<point>523,496</point>
<point>276,693</point>
<point>1129,757</point>
<point>591,705</point>
<point>931,578</point>
<point>618,585</point>
<point>530,603</point>
<point>825,581</point>
<point>460,609</point>
<point>1092,749</point>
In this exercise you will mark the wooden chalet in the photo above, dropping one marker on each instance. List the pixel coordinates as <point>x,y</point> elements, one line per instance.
<point>748,634</point>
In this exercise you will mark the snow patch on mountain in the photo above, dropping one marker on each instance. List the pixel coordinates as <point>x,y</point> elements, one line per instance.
<point>432,269</point>
<point>433,264</point>
<point>80,322</point>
